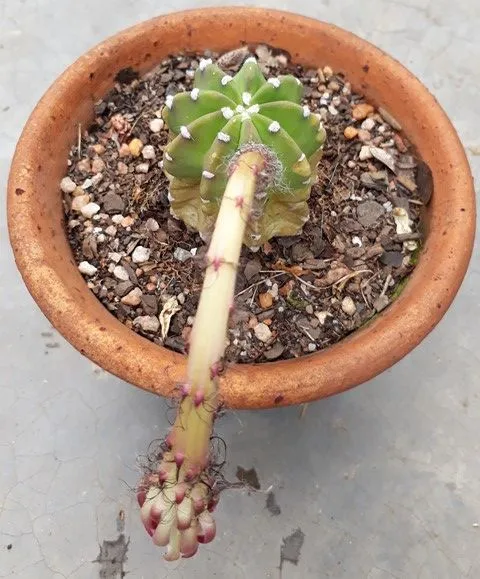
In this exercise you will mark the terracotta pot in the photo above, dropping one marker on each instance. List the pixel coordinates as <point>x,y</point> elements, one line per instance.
<point>45,261</point>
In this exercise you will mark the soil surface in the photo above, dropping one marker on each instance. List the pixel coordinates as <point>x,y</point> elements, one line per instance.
<point>296,295</point>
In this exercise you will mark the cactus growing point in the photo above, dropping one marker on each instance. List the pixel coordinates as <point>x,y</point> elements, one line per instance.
<point>242,157</point>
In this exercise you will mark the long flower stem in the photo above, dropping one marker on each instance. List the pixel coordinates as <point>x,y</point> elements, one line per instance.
<point>176,506</point>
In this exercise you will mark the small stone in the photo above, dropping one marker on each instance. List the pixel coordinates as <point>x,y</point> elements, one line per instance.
<point>328,72</point>
<point>135,147</point>
<point>98,149</point>
<point>67,185</point>
<point>152,225</point>
<point>322,316</point>
<point>113,203</point>
<point>309,309</point>
<point>148,152</point>
<point>114,256</point>
<point>142,168</point>
<point>122,168</point>
<point>333,86</point>
<point>381,303</point>
<point>123,288</point>
<point>101,238</point>
<point>98,165</point>
<point>181,298</point>
<point>365,153</point>
<point>251,269</point>
<point>84,166</point>
<point>364,136</point>
<point>311,347</point>
<point>361,111</point>
<point>140,254</point>
<point>262,332</point>
<point>127,221</point>
<point>265,300</point>
<point>368,212</point>
<point>156,125</point>
<point>78,203</point>
<point>87,268</point>
<point>182,254</point>
<point>121,273</point>
<point>111,230</point>
<point>348,306</point>
<point>89,210</point>
<point>274,291</point>
<point>118,219</point>
<point>124,151</point>
<point>78,192</point>
<point>274,352</point>
<point>393,258</point>
<point>350,133</point>
<point>368,124</point>
<point>150,304</point>
<point>150,324</point>
<point>133,298</point>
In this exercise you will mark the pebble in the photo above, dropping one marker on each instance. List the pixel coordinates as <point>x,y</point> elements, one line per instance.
<point>114,256</point>
<point>121,273</point>
<point>149,324</point>
<point>98,165</point>
<point>381,303</point>
<point>140,254</point>
<point>312,347</point>
<point>309,309</point>
<point>251,269</point>
<point>98,149</point>
<point>111,230</point>
<point>118,219</point>
<point>87,268</point>
<point>78,192</point>
<point>274,352</point>
<point>361,111</point>
<point>127,221</point>
<point>135,147</point>
<point>150,304</point>
<point>350,133</point>
<point>181,298</point>
<point>393,258</point>
<point>368,124</point>
<point>156,125</point>
<point>265,300</point>
<point>364,136</point>
<point>148,152</point>
<point>368,212</point>
<point>274,291</point>
<point>84,166</point>
<point>133,298</point>
<point>182,254</point>
<point>124,151</point>
<point>348,306</point>
<point>262,332</point>
<point>365,153</point>
<point>122,168</point>
<point>67,185</point>
<point>78,203</point>
<point>152,225</point>
<point>123,288</point>
<point>89,210</point>
<point>142,168</point>
<point>113,203</point>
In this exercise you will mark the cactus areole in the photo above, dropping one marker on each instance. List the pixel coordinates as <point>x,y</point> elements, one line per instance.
<point>223,116</point>
<point>242,156</point>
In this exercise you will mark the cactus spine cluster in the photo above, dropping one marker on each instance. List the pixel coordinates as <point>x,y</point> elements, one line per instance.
<point>242,157</point>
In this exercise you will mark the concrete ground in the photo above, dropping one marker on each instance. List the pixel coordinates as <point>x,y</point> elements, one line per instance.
<point>383,481</point>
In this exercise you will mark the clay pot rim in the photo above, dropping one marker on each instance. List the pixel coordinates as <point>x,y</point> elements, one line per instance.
<point>355,359</point>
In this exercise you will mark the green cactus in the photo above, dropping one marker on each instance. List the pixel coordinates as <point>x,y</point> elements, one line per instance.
<point>242,157</point>
<point>222,115</point>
